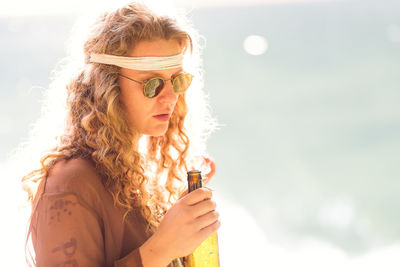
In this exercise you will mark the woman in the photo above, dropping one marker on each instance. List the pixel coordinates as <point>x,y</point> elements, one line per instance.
<point>108,193</point>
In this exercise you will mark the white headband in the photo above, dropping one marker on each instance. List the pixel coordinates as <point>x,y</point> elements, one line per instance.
<point>139,63</point>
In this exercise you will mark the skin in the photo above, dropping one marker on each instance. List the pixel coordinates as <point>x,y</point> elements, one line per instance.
<point>193,218</point>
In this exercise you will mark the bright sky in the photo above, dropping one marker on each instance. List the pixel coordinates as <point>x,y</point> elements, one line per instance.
<point>76,7</point>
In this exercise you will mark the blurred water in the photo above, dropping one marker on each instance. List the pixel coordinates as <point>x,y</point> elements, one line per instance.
<point>311,134</point>
<point>313,125</point>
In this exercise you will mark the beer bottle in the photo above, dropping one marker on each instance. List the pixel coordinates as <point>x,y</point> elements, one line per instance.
<point>206,255</point>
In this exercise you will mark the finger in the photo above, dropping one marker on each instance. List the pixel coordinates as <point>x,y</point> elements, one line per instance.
<point>208,188</point>
<point>183,194</point>
<point>196,196</point>
<point>203,208</point>
<point>209,230</point>
<point>206,219</point>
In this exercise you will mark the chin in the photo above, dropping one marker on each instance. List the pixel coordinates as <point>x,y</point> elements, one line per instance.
<point>157,132</point>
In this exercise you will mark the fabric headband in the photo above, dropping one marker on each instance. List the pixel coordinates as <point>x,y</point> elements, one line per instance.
<point>139,63</point>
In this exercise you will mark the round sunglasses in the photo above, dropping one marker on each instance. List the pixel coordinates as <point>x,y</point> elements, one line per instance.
<point>153,86</point>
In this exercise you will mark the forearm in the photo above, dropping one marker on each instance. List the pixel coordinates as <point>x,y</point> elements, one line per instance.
<point>153,255</point>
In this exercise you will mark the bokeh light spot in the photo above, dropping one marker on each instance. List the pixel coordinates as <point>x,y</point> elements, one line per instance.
<point>255,45</point>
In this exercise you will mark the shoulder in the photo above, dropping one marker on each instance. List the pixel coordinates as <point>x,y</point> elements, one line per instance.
<point>74,176</point>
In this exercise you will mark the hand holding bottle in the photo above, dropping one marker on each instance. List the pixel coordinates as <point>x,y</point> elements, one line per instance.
<point>190,221</point>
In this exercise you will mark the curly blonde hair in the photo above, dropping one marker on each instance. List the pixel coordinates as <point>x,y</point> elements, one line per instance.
<point>96,126</point>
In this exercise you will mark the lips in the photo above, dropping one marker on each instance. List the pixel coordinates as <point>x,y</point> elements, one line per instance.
<point>162,117</point>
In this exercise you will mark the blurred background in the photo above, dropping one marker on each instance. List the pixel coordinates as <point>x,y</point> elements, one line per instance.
<point>307,93</point>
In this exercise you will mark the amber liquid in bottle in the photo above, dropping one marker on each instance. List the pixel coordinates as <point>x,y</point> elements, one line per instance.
<point>206,255</point>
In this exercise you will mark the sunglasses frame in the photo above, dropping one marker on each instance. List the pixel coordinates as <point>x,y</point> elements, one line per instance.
<point>145,82</point>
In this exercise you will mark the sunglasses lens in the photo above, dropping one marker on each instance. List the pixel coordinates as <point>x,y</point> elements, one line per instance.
<point>182,82</point>
<point>153,87</point>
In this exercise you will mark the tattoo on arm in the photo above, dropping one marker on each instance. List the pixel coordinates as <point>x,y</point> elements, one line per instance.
<point>68,249</point>
<point>59,207</point>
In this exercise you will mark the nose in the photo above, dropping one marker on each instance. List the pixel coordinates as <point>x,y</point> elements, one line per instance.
<point>167,94</point>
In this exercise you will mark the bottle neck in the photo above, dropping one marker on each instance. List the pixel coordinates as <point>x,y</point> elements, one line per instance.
<point>194,180</point>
